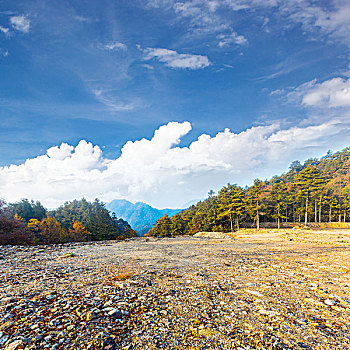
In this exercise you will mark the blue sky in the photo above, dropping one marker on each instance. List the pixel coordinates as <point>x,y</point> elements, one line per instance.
<point>113,72</point>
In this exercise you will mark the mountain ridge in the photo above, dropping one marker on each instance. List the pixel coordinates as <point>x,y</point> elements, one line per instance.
<point>139,215</point>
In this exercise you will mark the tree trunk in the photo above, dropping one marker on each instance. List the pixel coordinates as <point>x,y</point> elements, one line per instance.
<point>231,222</point>
<point>320,210</point>
<point>339,217</point>
<point>278,219</point>
<point>344,215</point>
<point>330,214</point>
<point>293,212</point>
<point>257,215</point>
<point>286,213</point>
<point>306,207</point>
<point>315,211</point>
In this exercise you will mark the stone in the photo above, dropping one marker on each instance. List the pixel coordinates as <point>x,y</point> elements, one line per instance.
<point>268,312</point>
<point>115,313</point>
<point>39,338</point>
<point>4,339</point>
<point>253,292</point>
<point>14,345</point>
<point>7,300</point>
<point>184,293</point>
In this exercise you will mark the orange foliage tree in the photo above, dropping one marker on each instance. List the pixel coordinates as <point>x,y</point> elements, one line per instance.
<point>79,233</point>
<point>51,231</point>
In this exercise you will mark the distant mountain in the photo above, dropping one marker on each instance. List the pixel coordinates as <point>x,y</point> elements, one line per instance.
<point>140,216</point>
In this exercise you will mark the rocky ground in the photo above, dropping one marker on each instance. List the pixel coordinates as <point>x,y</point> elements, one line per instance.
<point>266,290</point>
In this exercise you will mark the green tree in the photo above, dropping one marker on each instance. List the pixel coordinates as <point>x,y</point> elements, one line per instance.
<point>28,210</point>
<point>310,182</point>
<point>295,166</point>
<point>95,217</point>
<point>278,196</point>
<point>231,204</point>
<point>254,201</point>
<point>163,227</point>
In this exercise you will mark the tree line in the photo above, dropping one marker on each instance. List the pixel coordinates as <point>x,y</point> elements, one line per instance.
<point>316,191</point>
<point>29,222</point>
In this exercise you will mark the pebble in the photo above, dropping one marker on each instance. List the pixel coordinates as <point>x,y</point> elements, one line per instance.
<point>176,294</point>
<point>330,302</point>
<point>14,345</point>
<point>268,312</point>
<point>258,294</point>
<point>115,313</point>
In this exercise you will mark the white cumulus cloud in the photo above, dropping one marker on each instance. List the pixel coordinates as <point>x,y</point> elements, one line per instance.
<point>327,95</point>
<point>330,93</point>
<point>159,171</point>
<point>20,23</point>
<point>177,60</point>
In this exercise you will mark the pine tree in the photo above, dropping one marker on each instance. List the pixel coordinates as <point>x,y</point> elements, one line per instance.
<point>232,203</point>
<point>309,181</point>
<point>278,196</point>
<point>254,200</point>
<point>163,227</point>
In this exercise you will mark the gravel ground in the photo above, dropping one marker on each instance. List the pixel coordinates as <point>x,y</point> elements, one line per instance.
<point>266,290</point>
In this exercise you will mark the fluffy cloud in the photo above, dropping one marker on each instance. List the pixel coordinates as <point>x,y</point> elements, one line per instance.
<point>20,23</point>
<point>331,93</point>
<point>174,59</point>
<point>160,172</point>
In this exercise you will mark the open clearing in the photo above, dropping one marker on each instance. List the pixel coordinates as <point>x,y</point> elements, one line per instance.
<point>286,289</point>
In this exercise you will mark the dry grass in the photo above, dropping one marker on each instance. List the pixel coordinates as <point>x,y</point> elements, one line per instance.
<point>119,273</point>
<point>122,276</point>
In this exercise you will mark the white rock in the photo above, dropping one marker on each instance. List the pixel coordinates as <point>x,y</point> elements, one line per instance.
<point>330,302</point>
<point>258,294</point>
<point>269,312</point>
<point>14,345</point>
<point>4,339</point>
<point>7,300</point>
<point>115,312</point>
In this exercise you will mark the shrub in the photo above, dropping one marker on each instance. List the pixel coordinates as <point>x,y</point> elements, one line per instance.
<point>12,229</point>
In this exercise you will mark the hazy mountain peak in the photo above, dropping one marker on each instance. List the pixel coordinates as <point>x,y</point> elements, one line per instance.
<point>141,216</point>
